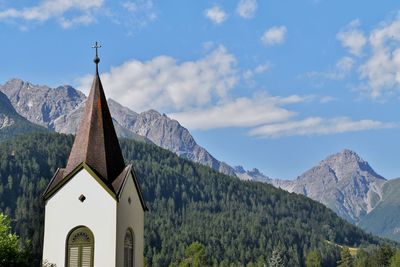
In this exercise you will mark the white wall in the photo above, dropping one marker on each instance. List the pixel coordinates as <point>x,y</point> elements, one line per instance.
<point>130,216</point>
<point>64,211</point>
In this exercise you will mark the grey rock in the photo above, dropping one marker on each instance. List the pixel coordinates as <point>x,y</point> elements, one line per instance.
<point>41,104</point>
<point>251,175</point>
<point>344,182</point>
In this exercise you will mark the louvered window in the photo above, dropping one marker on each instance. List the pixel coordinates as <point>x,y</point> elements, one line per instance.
<point>129,249</point>
<point>80,248</point>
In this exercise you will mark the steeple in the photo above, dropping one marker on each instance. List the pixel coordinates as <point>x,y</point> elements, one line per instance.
<point>96,142</point>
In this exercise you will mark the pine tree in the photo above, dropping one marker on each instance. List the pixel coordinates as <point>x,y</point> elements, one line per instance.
<point>194,256</point>
<point>277,259</point>
<point>313,259</point>
<point>346,260</point>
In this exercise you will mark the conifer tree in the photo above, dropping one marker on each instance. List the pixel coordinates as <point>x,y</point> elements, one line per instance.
<point>346,260</point>
<point>277,259</point>
<point>313,259</point>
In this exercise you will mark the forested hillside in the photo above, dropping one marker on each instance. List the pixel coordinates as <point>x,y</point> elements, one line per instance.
<point>237,222</point>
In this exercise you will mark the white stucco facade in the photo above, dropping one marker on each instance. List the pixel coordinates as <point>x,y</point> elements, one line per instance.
<point>130,215</point>
<point>64,211</point>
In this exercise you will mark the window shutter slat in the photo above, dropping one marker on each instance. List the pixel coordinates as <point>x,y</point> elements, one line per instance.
<point>73,257</point>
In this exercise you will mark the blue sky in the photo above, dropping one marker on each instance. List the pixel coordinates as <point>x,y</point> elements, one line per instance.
<point>276,85</point>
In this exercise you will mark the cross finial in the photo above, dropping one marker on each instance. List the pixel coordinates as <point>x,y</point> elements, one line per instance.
<point>96,58</point>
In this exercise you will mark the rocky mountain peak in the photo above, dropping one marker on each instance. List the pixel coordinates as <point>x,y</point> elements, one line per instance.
<point>344,182</point>
<point>253,174</point>
<point>41,104</point>
<point>348,163</point>
<point>239,169</point>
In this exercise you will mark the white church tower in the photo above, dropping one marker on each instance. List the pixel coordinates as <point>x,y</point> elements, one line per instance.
<point>94,210</point>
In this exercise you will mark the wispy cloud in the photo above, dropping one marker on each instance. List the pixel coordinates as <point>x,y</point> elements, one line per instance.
<point>246,8</point>
<point>318,126</point>
<point>374,55</point>
<point>352,38</point>
<point>240,112</point>
<point>199,94</point>
<point>248,75</point>
<point>56,9</point>
<point>165,83</point>
<point>216,14</point>
<point>381,71</point>
<point>274,35</point>
<point>341,70</point>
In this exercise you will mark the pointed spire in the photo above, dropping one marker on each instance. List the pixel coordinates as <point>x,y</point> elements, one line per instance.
<point>96,141</point>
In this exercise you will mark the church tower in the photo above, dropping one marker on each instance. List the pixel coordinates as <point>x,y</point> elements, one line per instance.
<point>94,209</point>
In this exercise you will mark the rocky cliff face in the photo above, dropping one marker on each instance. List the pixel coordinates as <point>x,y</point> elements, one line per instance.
<point>11,123</point>
<point>344,182</point>
<point>60,109</point>
<point>7,112</point>
<point>41,104</point>
<point>251,175</point>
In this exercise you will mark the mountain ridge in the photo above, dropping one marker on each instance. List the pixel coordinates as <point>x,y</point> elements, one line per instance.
<point>60,108</point>
<point>343,181</point>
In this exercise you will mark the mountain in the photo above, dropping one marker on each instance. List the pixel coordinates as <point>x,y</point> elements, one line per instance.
<point>384,220</point>
<point>41,104</point>
<point>251,175</point>
<point>343,182</point>
<point>60,109</point>
<point>239,222</point>
<point>11,123</point>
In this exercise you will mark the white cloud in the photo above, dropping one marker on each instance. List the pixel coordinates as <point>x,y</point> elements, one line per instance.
<point>317,126</point>
<point>57,9</point>
<point>352,38</point>
<point>381,71</point>
<point>246,8</point>
<point>241,112</point>
<point>166,84</point>
<point>275,35</point>
<point>249,74</point>
<point>135,14</point>
<point>342,69</point>
<point>216,14</point>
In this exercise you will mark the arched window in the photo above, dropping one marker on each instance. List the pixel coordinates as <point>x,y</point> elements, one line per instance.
<point>129,249</point>
<point>80,248</point>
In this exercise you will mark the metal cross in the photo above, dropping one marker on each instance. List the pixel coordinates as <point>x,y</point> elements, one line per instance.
<point>96,59</point>
<point>96,46</point>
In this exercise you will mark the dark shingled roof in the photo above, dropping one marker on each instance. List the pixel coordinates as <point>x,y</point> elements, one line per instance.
<point>96,142</point>
<point>96,145</point>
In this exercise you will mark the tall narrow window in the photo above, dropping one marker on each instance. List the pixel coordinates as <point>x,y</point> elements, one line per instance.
<point>129,249</point>
<point>80,248</point>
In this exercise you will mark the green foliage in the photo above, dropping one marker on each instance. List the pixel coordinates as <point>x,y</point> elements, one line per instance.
<point>195,256</point>
<point>346,260</point>
<point>384,254</point>
<point>395,260</point>
<point>381,256</point>
<point>277,258</point>
<point>239,223</point>
<point>10,252</point>
<point>313,259</point>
